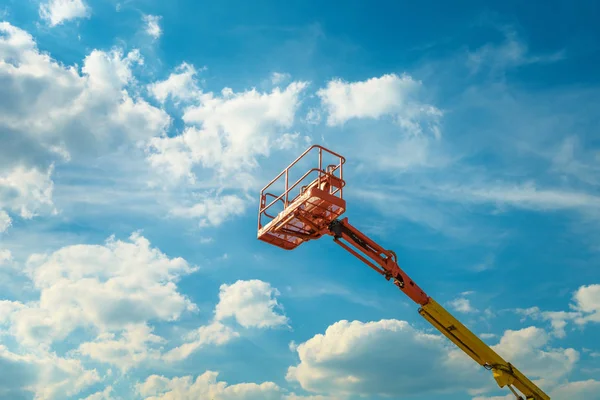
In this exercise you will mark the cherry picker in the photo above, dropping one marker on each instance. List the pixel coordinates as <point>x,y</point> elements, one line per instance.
<point>311,207</point>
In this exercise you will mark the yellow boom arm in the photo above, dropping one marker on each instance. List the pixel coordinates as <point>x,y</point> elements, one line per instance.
<point>385,262</point>
<point>504,372</point>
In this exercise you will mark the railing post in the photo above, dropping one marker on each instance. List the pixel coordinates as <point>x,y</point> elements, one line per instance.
<point>320,158</point>
<point>320,166</point>
<point>260,207</point>
<point>341,178</point>
<point>286,187</point>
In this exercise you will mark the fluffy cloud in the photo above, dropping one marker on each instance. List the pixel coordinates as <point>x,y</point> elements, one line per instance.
<point>56,12</point>
<point>408,125</point>
<point>582,390</point>
<point>114,291</point>
<point>213,334</point>
<point>133,347</point>
<point>525,196</point>
<point>181,85</point>
<point>226,132</point>
<point>278,78</point>
<point>585,309</point>
<point>27,192</point>
<point>512,52</point>
<point>587,302</point>
<point>107,288</point>
<point>5,256</point>
<point>386,95</point>
<point>224,135</point>
<point>252,304</point>
<point>153,25</point>
<point>103,395</point>
<point>527,349</point>
<point>213,211</point>
<point>53,113</point>
<point>206,386</point>
<point>5,221</point>
<point>463,305</point>
<point>579,390</point>
<point>355,358</point>
<point>46,375</point>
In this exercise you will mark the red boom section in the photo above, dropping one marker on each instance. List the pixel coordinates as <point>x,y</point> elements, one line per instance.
<point>381,260</point>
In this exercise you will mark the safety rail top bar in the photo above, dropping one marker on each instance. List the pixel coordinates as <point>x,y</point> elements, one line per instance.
<point>284,196</point>
<point>281,196</point>
<point>321,148</point>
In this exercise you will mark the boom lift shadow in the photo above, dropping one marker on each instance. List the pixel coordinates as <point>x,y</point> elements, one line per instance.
<point>313,210</point>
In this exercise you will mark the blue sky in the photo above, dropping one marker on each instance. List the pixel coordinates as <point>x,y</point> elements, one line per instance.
<point>136,134</point>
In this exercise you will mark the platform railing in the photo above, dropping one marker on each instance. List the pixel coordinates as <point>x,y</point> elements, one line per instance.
<point>322,174</point>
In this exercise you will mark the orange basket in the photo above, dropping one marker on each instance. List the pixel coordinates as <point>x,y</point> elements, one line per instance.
<point>305,208</point>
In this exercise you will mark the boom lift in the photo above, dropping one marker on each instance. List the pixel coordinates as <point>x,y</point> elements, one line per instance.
<point>310,211</point>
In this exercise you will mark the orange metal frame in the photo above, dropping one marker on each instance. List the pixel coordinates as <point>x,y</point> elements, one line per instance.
<point>314,212</point>
<point>308,204</point>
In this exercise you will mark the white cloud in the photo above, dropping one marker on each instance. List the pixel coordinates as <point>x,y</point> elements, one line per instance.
<point>205,386</point>
<point>488,335</point>
<point>105,394</point>
<point>408,125</point>
<point>571,159</point>
<point>527,349</point>
<point>55,110</point>
<point>288,141</point>
<point>280,77</point>
<point>579,390</point>
<point>386,95</point>
<point>135,346</point>
<point>27,192</point>
<point>313,116</point>
<point>585,309</point>
<point>212,334</point>
<point>213,211</point>
<point>56,12</point>
<point>462,305</point>
<point>51,113</point>
<point>587,302</point>
<point>440,205</point>
<point>353,358</point>
<point>46,375</point>
<point>506,397</point>
<point>224,136</point>
<point>252,303</point>
<point>528,196</point>
<point>227,132</point>
<point>153,25</point>
<point>511,53</point>
<point>107,288</point>
<point>582,390</point>
<point>5,256</point>
<point>180,85</point>
<point>5,221</point>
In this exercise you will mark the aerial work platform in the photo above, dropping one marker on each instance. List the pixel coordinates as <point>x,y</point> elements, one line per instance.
<point>309,208</point>
<point>302,210</point>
